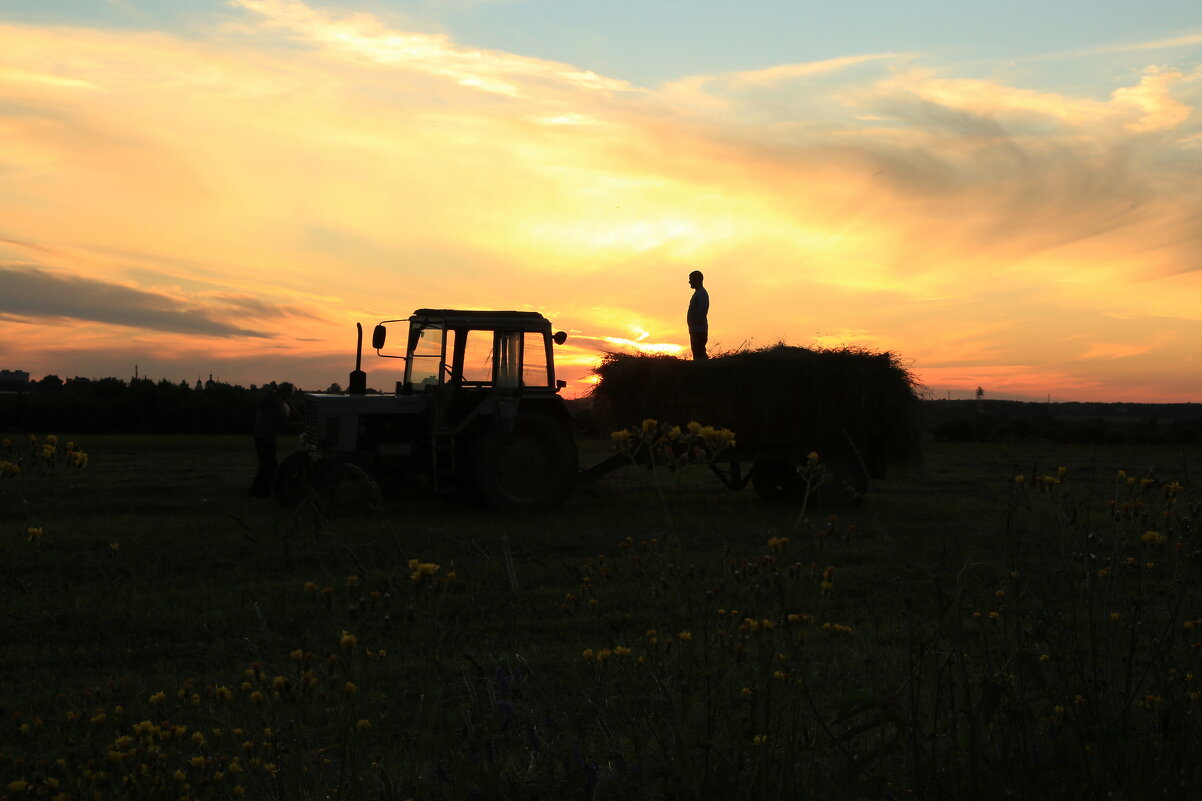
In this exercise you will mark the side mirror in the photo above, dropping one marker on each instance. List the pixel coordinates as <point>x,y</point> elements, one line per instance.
<point>378,335</point>
<point>560,337</point>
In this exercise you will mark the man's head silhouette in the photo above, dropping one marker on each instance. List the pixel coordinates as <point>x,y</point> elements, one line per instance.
<point>695,278</point>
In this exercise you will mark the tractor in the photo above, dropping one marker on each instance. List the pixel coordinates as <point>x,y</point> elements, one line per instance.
<point>477,413</point>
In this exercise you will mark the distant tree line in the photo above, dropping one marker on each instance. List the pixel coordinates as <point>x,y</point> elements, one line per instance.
<point>1089,423</point>
<point>138,406</point>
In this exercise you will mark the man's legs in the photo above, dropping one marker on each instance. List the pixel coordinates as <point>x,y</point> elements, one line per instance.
<point>697,339</point>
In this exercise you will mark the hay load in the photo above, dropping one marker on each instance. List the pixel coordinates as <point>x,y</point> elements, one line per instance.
<point>851,405</point>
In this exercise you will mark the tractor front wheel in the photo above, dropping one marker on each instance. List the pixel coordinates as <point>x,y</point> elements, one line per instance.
<point>346,489</point>
<point>291,482</point>
<point>531,467</point>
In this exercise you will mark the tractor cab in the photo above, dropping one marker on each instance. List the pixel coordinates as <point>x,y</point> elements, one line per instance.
<point>451,349</point>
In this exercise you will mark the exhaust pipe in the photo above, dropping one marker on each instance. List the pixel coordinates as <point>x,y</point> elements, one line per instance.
<point>358,380</point>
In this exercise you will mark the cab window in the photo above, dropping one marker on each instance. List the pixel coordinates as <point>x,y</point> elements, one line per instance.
<point>534,360</point>
<point>477,357</point>
<point>424,367</point>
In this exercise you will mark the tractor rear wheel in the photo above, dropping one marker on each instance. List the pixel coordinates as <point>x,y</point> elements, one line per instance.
<point>531,467</point>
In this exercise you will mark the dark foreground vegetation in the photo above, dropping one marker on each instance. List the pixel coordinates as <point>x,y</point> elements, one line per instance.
<point>1019,620</point>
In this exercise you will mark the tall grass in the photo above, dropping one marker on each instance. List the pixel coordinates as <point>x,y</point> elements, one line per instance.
<point>1043,642</point>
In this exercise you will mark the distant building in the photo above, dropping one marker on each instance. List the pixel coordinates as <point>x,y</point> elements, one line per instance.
<point>14,377</point>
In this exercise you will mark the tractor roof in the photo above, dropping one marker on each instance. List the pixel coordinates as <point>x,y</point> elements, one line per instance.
<point>474,318</point>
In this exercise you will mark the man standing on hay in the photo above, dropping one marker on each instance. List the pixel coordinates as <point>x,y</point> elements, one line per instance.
<point>698,318</point>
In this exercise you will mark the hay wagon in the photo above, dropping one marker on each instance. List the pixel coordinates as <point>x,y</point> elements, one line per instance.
<point>857,409</point>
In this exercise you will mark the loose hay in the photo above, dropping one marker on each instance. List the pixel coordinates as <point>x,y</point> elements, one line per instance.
<point>778,399</point>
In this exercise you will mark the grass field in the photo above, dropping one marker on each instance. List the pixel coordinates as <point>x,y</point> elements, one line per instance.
<point>966,633</point>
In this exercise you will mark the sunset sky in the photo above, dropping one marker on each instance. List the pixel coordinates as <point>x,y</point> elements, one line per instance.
<point>1007,195</point>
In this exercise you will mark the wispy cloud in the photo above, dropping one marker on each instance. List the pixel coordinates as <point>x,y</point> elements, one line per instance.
<point>31,294</point>
<point>1168,43</point>
<point>366,36</point>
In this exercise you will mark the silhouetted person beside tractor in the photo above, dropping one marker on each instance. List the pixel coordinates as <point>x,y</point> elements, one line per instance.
<point>698,317</point>
<point>271,411</point>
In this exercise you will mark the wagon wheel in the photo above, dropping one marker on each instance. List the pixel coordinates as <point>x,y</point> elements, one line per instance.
<point>844,484</point>
<point>531,467</point>
<point>291,482</point>
<point>346,489</point>
<point>777,481</point>
<point>847,483</point>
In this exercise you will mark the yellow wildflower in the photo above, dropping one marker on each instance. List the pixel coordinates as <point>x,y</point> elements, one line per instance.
<point>620,439</point>
<point>418,569</point>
